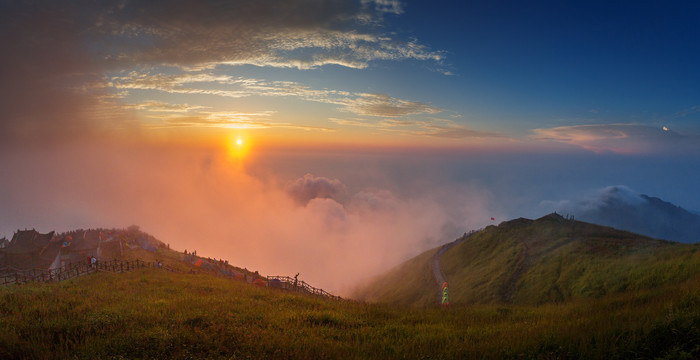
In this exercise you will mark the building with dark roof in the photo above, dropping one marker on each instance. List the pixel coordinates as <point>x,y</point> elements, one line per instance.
<point>30,249</point>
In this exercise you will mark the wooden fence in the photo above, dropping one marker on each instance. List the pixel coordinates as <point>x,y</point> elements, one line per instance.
<point>289,283</point>
<point>10,276</point>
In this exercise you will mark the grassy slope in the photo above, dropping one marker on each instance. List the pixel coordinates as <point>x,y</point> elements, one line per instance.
<point>411,283</point>
<point>478,268</point>
<point>173,259</point>
<point>546,260</point>
<point>155,314</point>
<point>574,271</point>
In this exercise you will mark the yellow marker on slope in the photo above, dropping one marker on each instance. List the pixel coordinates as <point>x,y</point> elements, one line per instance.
<point>445,294</point>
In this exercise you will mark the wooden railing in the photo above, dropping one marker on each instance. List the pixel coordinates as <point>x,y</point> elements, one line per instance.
<point>9,276</point>
<point>16,276</point>
<point>289,283</point>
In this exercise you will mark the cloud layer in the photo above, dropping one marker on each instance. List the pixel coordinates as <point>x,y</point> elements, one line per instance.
<point>298,33</point>
<point>310,187</point>
<point>619,138</point>
<point>332,233</point>
<point>364,104</point>
<point>56,56</point>
<point>625,209</point>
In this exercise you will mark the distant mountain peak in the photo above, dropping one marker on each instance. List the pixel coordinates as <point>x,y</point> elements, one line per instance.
<point>623,208</point>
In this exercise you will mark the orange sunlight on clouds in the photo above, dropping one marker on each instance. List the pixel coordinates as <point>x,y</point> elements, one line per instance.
<point>194,199</point>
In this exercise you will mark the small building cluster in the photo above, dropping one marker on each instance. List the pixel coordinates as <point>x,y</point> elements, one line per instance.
<point>30,249</point>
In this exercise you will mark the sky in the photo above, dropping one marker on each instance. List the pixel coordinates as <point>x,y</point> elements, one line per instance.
<point>369,130</point>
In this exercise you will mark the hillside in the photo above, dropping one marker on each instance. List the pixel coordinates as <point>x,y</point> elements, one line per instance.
<point>51,253</point>
<point>152,313</point>
<point>550,259</point>
<point>405,284</point>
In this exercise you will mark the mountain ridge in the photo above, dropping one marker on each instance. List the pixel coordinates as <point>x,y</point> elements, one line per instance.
<point>551,259</point>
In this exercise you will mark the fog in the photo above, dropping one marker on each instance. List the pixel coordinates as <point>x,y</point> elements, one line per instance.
<point>337,218</point>
<point>333,234</point>
<point>625,209</point>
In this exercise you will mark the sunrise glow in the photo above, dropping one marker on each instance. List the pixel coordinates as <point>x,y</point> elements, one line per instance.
<point>336,138</point>
<point>237,149</point>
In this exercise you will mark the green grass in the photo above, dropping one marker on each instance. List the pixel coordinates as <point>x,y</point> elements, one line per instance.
<point>405,284</point>
<point>571,273</point>
<point>548,260</point>
<point>478,268</point>
<point>151,313</point>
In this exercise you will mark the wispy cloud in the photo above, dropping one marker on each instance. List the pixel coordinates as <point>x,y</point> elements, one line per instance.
<point>434,127</point>
<point>384,105</point>
<point>378,105</point>
<point>452,130</point>
<point>229,120</point>
<point>177,84</point>
<point>159,106</point>
<point>354,122</point>
<point>51,49</point>
<point>389,6</point>
<point>618,138</point>
<point>291,33</point>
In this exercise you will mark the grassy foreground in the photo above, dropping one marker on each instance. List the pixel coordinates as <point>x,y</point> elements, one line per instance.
<point>155,314</point>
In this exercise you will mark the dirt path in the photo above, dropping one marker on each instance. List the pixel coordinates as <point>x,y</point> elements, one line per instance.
<point>435,263</point>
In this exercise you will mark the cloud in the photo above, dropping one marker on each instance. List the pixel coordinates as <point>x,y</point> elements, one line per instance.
<point>623,208</point>
<point>310,187</point>
<point>359,103</point>
<point>296,33</point>
<point>440,128</point>
<point>451,130</point>
<point>228,120</point>
<point>194,199</point>
<point>390,6</point>
<point>352,122</point>
<point>46,73</point>
<point>375,105</point>
<point>177,84</point>
<point>159,106</point>
<point>593,202</point>
<point>384,105</point>
<point>619,138</point>
<point>235,120</point>
<point>616,194</point>
<point>56,54</point>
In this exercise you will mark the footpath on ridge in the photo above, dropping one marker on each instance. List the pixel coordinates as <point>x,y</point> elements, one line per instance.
<point>435,263</point>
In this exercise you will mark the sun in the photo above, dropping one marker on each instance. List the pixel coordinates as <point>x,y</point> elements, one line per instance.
<point>238,147</point>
